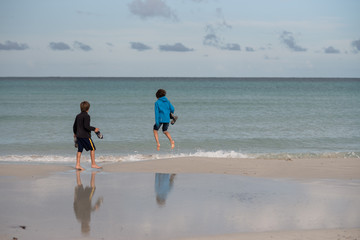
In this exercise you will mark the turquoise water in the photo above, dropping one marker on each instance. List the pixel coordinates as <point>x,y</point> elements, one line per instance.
<point>218,117</point>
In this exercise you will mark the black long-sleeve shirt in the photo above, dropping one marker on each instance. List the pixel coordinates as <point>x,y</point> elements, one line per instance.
<point>81,127</point>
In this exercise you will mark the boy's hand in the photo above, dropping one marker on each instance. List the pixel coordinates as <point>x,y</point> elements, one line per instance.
<point>96,129</point>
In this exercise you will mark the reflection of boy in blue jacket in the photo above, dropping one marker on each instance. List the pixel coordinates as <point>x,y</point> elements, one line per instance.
<point>163,109</point>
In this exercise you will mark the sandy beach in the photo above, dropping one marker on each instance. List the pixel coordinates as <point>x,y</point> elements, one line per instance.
<point>324,168</point>
<point>328,168</point>
<point>297,169</point>
<point>328,234</point>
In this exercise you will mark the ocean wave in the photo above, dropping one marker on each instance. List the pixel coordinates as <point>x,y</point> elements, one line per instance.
<point>145,157</point>
<point>116,158</point>
<point>288,156</point>
<point>219,154</point>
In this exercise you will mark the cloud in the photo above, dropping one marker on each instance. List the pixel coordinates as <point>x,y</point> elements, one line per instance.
<point>151,8</point>
<point>82,46</point>
<point>211,38</point>
<point>266,57</point>
<point>222,23</point>
<point>9,45</point>
<point>331,50</point>
<point>139,46</point>
<point>59,46</point>
<point>232,47</point>
<point>288,39</point>
<point>213,31</point>
<point>356,44</point>
<point>177,47</point>
<point>249,49</point>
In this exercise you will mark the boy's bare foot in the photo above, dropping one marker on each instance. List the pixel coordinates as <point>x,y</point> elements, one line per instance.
<point>96,166</point>
<point>172,144</point>
<point>158,147</point>
<point>79,168</point>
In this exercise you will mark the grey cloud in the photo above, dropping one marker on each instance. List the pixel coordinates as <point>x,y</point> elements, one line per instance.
<point>356,44</point>
<point>9,45</point>
<point>59,46</point>
<point>249,49</point>
<point>82,46</point>
<point>212,39</point>
<point>266,57</point>
<point>331,50</point>
<point>139,46</point>
<point>222,23</point>
<point>288,39</point>
<point>177,47</point>
<point>232,47</point>
<point>151,8</point>
<point>267,47</point>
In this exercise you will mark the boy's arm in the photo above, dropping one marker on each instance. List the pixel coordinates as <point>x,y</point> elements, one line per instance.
<point>87,124</point>
<point>172,109</point>
<point>157,115</point>
<point>75,127</point>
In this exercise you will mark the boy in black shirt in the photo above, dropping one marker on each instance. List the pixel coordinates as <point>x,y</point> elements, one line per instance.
<point>82,132</point>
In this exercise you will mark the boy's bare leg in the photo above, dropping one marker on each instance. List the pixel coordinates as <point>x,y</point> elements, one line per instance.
<point>92,156</point>
<point>156,135</point>
<point>170,139</point>
<point>77,166</point>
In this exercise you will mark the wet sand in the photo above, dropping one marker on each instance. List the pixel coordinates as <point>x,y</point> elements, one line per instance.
<point>324,168</point>
<point>329,234</point>
<point>222,198</point>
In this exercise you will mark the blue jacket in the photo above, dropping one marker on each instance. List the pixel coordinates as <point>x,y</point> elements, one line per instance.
<point>163,108</point>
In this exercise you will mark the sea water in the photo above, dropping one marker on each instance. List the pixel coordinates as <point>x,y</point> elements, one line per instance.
<point>218,117</point>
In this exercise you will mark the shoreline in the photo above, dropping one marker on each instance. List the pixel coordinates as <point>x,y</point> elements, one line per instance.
<point>314,168</point>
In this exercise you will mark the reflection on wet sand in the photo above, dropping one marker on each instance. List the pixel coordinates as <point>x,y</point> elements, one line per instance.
<point>172,207</point>
<point>82,202</point>
<point>163,185</point>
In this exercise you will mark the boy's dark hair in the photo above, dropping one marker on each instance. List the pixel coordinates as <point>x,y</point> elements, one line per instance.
<point>84,106</point>
<point>160,93</point>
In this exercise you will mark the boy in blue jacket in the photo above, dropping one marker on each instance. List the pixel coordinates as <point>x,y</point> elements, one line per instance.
<point>163,109</point>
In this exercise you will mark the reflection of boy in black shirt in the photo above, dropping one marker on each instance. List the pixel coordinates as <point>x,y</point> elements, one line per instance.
<point>82,202</point>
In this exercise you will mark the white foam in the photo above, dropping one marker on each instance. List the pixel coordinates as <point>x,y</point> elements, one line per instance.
<point>144,157</point>
<point>36,158</point>
<point>115,158</point>
<point>219,154</point>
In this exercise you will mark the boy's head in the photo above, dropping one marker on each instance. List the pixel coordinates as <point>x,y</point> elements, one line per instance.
<point>84,106</point>
<point>160,93</point>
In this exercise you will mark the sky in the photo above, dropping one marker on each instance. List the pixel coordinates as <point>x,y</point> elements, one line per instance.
<point>180,38</point>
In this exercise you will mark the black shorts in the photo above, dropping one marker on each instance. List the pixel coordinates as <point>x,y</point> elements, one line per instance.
<point>86,143</point>
<point>164,128</point>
